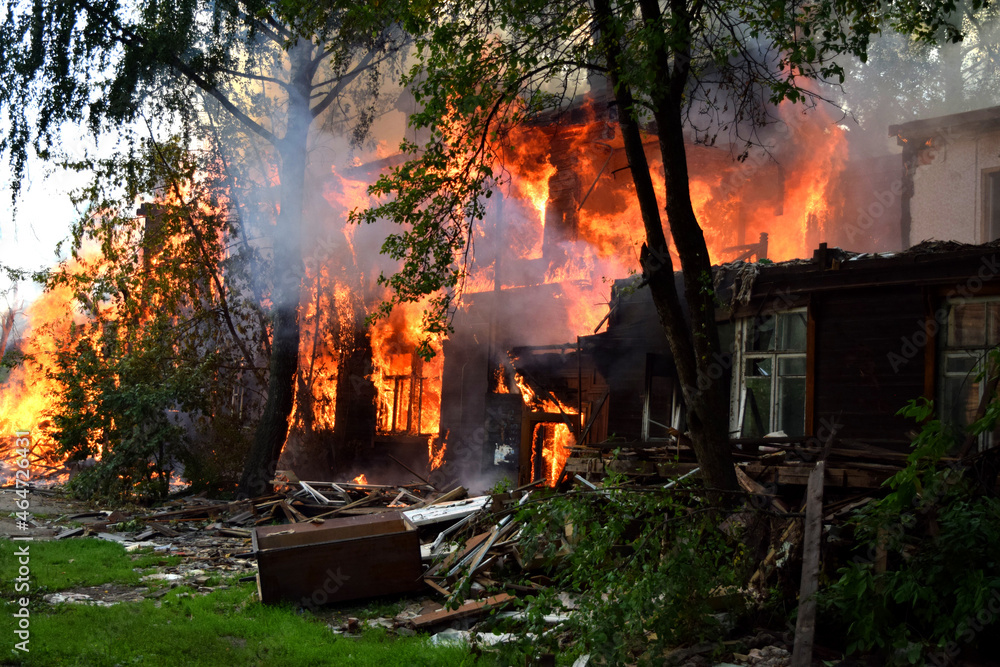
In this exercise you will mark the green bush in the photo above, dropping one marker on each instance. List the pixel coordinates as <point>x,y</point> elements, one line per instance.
<point>644,567</point>
<point>941,586</point>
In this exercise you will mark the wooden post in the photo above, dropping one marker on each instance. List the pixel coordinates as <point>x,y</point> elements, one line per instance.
<point>805,625</point>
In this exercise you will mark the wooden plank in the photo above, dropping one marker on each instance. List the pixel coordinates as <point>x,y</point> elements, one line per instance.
<point>468,610</point>
<point>835,477</point>
<point>273,537</point>
<point>166,531</point>
<point>475,555</point>
<point>805,625</point>
<point>752,487</point>
<point>790,535</point>
<point>367,500</point>
<point>233,532</point>
<point>292,514</point>
<point>471,544</point>
<point>439,589</point>
<point>69,532</point>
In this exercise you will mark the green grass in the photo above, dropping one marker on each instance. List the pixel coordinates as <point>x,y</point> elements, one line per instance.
<point>57,566</point>
<point>225,627</point>
<point>228,627</point>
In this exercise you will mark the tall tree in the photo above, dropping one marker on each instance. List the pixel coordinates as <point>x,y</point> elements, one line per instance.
<point>275,70</point>
<point>7,320</point>
<point>486,65</point>
<point>903,79</point>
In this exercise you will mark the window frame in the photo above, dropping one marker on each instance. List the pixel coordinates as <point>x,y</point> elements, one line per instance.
<point>989,206</point>
<point>742,355</point>
<point>946,350</point>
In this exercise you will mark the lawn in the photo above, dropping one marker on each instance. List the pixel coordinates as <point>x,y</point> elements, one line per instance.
<point>225,627</point>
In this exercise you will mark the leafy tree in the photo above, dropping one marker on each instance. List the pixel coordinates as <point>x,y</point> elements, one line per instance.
<point>148,378</point>
<point>486,66</point>
<point>904,79</point>
<point>641,568</point>
<point>272,70</point>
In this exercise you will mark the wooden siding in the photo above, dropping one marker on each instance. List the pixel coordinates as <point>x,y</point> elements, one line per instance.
<point>864,371</point>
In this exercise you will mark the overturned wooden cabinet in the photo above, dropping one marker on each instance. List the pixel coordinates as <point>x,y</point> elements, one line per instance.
<point>313,564</point>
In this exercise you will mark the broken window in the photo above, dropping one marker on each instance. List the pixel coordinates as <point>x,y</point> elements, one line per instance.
<point>409,396</point>
<point>662,407</point>
<point>973,329</point>
<point>773,375</point>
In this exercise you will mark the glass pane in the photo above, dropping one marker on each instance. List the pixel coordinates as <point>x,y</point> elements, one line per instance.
<point>791,365</point>
<point>763,367</point>
<point>967,325</point>
<point>792,331</point>
<point>961,400</point>
<point>761,334</point>
<point>792,406</point>
<point>960,363</point>
<point>757,412</point>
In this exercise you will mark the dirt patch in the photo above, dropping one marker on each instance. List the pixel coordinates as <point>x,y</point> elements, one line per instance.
<point>102,596</point>
<point>47,513</point>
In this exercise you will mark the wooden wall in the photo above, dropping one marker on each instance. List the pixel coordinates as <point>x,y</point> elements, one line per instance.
<point>863,371</point>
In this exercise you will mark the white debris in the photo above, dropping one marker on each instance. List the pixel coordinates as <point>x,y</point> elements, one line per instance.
<point>162,576</point>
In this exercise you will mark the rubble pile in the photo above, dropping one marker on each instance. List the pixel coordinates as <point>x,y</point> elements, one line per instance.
<point>316,543</point>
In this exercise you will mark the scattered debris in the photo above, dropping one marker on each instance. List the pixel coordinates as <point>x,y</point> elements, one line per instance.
<point>314,543</point>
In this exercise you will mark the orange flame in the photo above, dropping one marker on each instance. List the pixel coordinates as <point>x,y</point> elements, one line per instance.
<point>409,387</point>
<point>435,454</point>
<point>29,392</point>
<point>556,437</point>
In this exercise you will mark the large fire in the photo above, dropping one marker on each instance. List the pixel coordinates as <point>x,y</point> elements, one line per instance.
<point>551,440</point>
<point>568,217</point>
<point>570,207</point>
<point>29,391</point>
<point>409,387</point>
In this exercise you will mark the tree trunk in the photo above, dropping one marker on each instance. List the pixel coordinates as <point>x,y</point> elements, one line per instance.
<point>272,429</point>
<point>694,343</point>
<point>6,326</point>
<point>705,396</point>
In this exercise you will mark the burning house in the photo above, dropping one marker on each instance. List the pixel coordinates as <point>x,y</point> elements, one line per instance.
<point>549,351</point>
<point>820,352</point>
